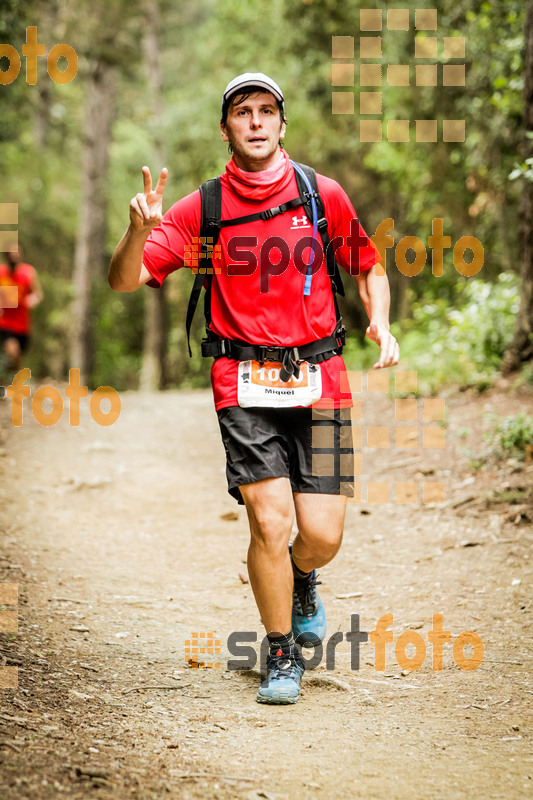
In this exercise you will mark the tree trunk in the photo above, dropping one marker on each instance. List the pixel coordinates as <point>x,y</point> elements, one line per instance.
<point>154,345</point>
<point>521,347</point>
<point>89,262</point>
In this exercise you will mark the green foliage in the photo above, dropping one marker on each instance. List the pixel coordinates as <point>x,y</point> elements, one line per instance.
<point>52,322</point>
<point>513,436</point>
<point>526,375</point>
<point>118,338</point>
<point>463,341</point>
<point>524,170</point>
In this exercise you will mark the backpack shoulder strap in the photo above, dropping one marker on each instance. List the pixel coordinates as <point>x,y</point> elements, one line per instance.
<point>311,177</point>
<point>211,194</point>
<point>333,270</point>
<point>211,205</point>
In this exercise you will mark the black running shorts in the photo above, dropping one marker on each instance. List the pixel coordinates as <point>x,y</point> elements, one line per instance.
<point>312,447</point>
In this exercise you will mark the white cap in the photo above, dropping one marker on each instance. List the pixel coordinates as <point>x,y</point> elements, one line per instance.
<point>252,79</point>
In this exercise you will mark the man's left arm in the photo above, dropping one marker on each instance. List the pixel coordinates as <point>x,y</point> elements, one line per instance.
<point>375,294</point>
<point>36,294</point>
<point>354,253</point>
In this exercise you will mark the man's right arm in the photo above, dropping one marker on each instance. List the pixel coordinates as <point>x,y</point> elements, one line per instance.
<point>127,271</point>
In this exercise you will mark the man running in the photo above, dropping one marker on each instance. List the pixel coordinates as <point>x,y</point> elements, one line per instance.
<point>265,306</point>
<point>20,292</point>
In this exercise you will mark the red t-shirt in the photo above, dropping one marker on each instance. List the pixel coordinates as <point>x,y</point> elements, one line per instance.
<point>257,292</point>
<point>18,319</point>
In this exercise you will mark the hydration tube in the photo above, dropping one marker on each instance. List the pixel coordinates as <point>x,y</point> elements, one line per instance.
<point>309,273</point>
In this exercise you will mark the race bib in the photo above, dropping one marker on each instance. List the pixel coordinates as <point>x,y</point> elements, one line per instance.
<point>261,385</point>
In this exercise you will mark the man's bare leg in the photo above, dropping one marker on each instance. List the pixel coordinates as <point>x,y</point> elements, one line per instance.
<point>270,508</point>
<point>12,351</point>
<point>320,521</point>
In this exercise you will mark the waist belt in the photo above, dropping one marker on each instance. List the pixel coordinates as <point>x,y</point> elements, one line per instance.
<point>288,357</point>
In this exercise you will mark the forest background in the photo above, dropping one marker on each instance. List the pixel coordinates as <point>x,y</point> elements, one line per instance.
<point>148,91</point>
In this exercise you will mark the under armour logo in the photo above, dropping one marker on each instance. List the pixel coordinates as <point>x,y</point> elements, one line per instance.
<point>300,222</point>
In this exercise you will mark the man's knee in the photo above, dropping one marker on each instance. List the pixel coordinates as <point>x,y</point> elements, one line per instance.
<point>324,542</point>
<point>270,513</point>
<point>270,526</point>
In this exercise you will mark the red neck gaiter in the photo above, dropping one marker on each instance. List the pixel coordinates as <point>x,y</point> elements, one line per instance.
<point>263,184</point>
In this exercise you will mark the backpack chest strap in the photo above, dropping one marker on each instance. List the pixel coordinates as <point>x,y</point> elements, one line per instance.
<point>263,215</point>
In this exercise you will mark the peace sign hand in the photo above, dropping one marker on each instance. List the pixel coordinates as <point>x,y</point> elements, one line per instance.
<point>146,208</point>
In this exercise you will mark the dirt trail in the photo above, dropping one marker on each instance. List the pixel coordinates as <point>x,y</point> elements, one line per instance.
<point>123,542</point>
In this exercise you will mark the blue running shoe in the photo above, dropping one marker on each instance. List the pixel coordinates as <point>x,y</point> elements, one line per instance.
<point>308,614</point>
<point>282,684</point>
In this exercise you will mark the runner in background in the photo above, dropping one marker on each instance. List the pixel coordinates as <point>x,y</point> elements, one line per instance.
<point>20,292</point>
<point>261,316</point>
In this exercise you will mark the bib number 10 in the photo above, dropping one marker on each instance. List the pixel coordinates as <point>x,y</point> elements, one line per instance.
<point>272,375</point>
<point>261,385</point>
